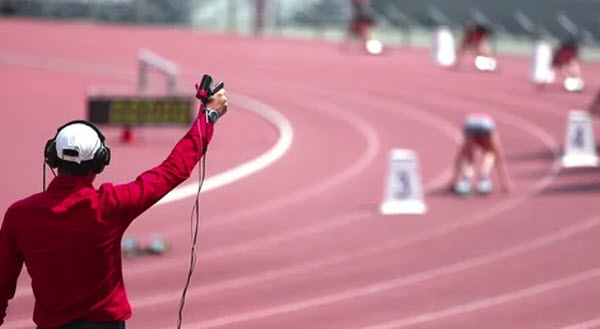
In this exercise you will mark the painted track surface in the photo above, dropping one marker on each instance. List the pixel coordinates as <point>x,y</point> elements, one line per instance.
<point>299,244</point>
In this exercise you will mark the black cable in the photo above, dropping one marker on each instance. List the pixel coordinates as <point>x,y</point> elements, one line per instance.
<point>194,228</point>
<point>44,176</point>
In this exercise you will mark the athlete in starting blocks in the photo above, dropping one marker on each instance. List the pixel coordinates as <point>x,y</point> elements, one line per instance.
<point>565,61</point>
<point>479,134</point>
<point>361,26</point>
<point>476,39</point>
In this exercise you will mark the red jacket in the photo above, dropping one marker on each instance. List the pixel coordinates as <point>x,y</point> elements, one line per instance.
<point>70,238</point>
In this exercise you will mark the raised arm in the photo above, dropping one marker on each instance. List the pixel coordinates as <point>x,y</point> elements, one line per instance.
<point>126,201</point>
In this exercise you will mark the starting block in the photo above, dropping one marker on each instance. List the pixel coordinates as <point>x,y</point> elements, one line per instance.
<point>158,246</point>
<point>132,248</point>
<point>580,146</point>
<point>487,64</point>
<point>541,64</point>
<point>444,47</point>
<point>403,192</point>
<point>573,85</point>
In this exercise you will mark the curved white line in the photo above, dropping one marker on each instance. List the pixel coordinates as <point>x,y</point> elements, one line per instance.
<point>454,134</point>
<point>492,301</point>
<point>414,113</point>
<point>444,270</point>
<point>339,221</point>
<point>365,129</point>
<point>407,280</point>
<point>194,192</point>
<point>286,134</point>
<point>595,323</point>
<point>369,133</point>
<point>268,113</point>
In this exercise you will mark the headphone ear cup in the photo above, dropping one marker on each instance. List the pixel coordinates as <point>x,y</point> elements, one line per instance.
<point>101,159</point>
<point>50,153</point>
<point>108,155</point>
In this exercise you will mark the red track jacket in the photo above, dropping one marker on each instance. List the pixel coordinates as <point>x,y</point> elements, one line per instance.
<point>70,238</point>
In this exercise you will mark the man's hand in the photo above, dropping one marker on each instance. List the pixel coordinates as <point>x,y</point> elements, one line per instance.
<point>218,102</point>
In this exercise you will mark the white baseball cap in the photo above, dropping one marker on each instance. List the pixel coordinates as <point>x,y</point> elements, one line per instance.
<point>77,142</point>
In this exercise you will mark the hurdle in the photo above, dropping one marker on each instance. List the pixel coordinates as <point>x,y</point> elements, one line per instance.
<point>145,106</point>
<point>148,61</point>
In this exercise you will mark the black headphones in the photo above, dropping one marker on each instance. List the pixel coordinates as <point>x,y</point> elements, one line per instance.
<point>101,157</point>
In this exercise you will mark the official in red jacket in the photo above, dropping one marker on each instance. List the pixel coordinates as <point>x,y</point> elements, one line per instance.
<point>565,61</point>
<point>70,235</point>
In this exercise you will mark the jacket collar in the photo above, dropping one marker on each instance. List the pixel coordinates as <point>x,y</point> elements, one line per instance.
<point>63,182</point>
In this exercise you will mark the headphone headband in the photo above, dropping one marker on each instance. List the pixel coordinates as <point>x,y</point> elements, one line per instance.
<point>85,122</point>
<point>100,160</point>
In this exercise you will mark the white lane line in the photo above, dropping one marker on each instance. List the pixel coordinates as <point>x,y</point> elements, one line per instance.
<point>595,323</point>
<point>368,131</point>
<point>412,112</point>
<point>347,219</point>
<point>244,281</point>
<point>451,131</point>
<point>316,188</point>
<point>517,122</point>
<point>537,243</point>
<point>268,113</point>
<point>276,152</point>
<point>362,127</point>
<point>492,301</point>
<point>398,282</point>
<point>372,148</point>
<point>480,216</point>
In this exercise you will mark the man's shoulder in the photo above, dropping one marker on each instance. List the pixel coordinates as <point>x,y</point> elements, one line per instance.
<point>16,209</point>
<point>24,203</point>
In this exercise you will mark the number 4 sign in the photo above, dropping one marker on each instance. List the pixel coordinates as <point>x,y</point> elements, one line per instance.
<point>580,146</point>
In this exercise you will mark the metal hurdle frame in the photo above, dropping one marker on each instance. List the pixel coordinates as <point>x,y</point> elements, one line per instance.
<point>148,60</point>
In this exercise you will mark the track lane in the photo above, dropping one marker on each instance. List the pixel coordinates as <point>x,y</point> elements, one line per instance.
<point>368,63</point>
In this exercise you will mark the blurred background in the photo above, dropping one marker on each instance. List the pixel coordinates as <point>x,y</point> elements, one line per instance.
<point>406,22</point>
<point>302,244</point>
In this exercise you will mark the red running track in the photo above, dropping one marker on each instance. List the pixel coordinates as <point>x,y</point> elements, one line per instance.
<point>300,244</point>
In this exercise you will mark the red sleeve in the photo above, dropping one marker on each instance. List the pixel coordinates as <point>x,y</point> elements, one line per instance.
<point>127,201</point>
<point>11,263</point>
